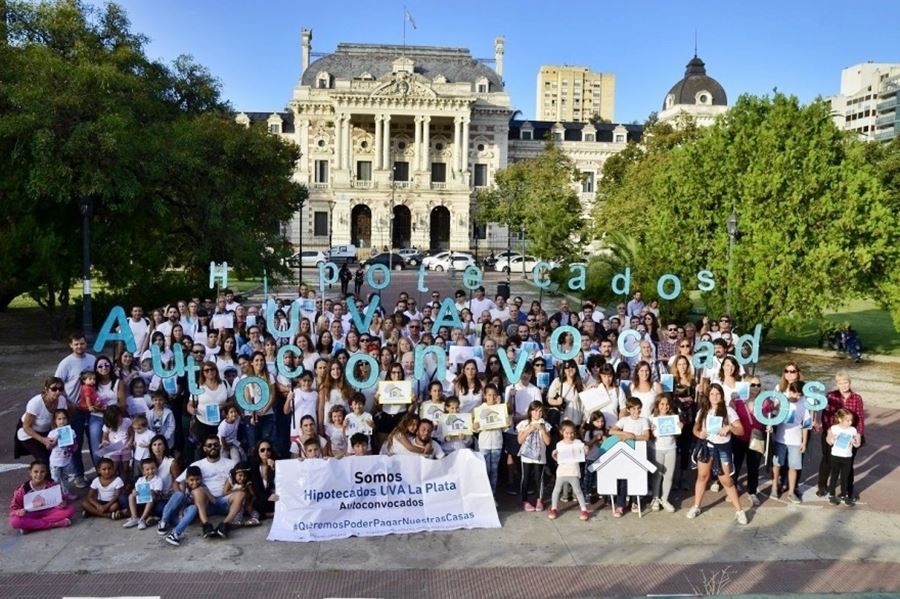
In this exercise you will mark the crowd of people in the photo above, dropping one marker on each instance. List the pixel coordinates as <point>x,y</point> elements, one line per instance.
<point>166,456</point>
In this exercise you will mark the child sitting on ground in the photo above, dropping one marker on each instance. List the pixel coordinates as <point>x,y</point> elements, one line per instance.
<point>103,497</point>
<point>239,480</point>
<point>148,486</point>
<point>25,521</point>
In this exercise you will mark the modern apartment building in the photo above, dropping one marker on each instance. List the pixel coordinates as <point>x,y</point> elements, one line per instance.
<point>574,94</point>
<point>867,90</point>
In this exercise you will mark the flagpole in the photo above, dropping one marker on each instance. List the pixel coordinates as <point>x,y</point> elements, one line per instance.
<point>404,29</point>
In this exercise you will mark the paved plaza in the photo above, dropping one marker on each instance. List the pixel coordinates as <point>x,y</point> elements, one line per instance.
<point>813,547</point>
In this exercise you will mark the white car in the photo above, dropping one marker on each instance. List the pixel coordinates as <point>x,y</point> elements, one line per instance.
<point>310,258</point>
<point>515,264</point>
<point>460,261</point>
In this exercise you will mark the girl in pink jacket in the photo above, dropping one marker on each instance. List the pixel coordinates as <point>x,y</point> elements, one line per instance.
<point>54,517</point>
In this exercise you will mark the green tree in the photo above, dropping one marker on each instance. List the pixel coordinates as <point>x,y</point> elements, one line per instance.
<point>85,116</point>
<point>538,196</point>
<point>817,225</point>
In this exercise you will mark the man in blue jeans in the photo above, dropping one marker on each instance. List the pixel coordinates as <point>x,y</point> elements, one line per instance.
<point>205,498</point>
<point>69,370</point>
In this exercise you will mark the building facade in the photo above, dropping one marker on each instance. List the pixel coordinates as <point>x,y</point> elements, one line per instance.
<point>574,94</point>
<point>696,95</point>
<point>397,141</point>
<point>860,103</point>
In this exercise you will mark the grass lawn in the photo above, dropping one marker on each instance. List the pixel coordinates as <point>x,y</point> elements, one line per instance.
<point>874,325</point>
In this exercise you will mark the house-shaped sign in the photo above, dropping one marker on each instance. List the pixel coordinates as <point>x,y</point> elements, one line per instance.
<point>622,461</point>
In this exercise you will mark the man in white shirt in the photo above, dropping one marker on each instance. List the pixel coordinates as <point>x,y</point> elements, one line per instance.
<point>69,370</point>
<point>500,311</point>
<point>140,329</point>
<point>215,470</point>
<point>230,304</point>
<point>173,317</point>
<point>423,440</point>
<point>479,303</point>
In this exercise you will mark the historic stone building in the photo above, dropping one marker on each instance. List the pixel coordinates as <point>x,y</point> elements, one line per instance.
<point>396,142</point>
<point>696,94</point>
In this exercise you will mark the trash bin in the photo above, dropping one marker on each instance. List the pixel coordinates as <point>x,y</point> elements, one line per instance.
<point>503,289</point>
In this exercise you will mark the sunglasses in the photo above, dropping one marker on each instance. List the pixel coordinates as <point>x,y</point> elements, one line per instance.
<point>212,446</point>
<point>103,366</point>
<point>209,370</point>
<point>55,388</point>
<point>199,352</point>
<point>672,330</point>
<point>790,371</point>
<point>265,449</point>
<point>755,385</point>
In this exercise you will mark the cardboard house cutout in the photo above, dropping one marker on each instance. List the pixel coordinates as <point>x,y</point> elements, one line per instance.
<point>625,462</point>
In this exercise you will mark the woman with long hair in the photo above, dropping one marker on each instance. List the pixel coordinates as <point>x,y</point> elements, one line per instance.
<point>260,423</point>
<point>335,391</point>
<point>564,394</point>
<point>468,387</point>
<point>643,388</point>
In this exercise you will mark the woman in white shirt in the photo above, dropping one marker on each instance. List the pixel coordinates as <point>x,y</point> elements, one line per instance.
<point>713,427</point>
<point>564,393</point>
<point>468,387</point>
<point>212,393</point>
<point>643,387</point>
<point>38,419</point>
<point>262,421</point>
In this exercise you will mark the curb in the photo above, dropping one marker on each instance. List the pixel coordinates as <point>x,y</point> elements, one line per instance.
<point>825,353</point>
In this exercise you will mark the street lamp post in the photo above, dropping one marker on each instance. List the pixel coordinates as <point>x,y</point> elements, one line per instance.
<point>391,219</point>
<point>87,212</point>
<point>732,226</point>
<point>508,237</point>
<point>300,244</point>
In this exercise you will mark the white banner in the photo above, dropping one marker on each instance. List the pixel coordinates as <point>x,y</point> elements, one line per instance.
<point>369,496</point>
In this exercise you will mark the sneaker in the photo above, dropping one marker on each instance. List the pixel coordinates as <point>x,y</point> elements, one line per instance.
<point>773,492</point>
<point>849,501</point>
<point>654,505</point>
<point>539,506</point>
<point>741,517</point>
<point>693,512</point>
<point>79,482</point>
<point>174,538</point>
<point>527,507</point>
<point>754,500</point>
<point>715,487</point>
<point>834,500</point>
<point>252,521</point>
<point>635,509</point>
<point>130,523</point>
<point>584,515</point>
<point>617,513</point>
<point>667,506</point>
<point>553,514</point>
<point>161,527</point>
<point>792,497</point>
<point>208,530</point>
<point>222,530</point>
<point>142,525</point>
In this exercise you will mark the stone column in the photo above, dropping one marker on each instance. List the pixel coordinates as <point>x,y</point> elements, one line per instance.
<point>348,142</point>
<point>417,148</point>
<point>378,142</point>
<point>426,143</point>
<point>304,144</point>
<point>386,144</point>
<point>338,141</point>
<point>464,154</point>
<point>457,134</point>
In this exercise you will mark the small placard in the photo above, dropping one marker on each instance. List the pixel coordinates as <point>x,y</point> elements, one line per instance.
<point>494,417</point>
<point>666,426</point>
<point>543,380</point>
<point>432,411</point>
<point>394,392</point>
<point>143,492</point>
<point>593,399</point>
<point>713,425</point>
<point>42,499</point>
<point>212,413</point>
<point>667,381</point>
<point>456,425</point>
<point>569,453</point>
<point>743,390</point>
<point>66,436</point>
<point>842,441</point>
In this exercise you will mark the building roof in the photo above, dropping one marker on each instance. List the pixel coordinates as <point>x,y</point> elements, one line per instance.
<point>287,119</point>
<point>572,131</point>
<point>352,60</point>
<point>696,80</point>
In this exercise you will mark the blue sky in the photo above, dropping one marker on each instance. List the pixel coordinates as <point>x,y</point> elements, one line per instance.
<point>750,47</point>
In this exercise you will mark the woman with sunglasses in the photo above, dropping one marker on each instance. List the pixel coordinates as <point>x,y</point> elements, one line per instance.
<point>37,420</point>
<point>563,395</point>
<point>790,374</point>
<point>262,475</point>
<point>740,443</point>
<point>109,393</point>
<point>213,392</point>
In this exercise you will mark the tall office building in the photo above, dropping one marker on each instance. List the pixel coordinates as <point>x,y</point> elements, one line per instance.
<point>867,101</point>
<point>574,94</point>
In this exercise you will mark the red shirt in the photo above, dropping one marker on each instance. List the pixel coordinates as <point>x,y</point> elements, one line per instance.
<point>836,401</point>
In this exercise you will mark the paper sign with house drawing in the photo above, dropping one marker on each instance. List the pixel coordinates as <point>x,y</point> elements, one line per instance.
<point>456,425</point>
<point>394,392</point>
<point>492,418</point>
<point>622,461</point>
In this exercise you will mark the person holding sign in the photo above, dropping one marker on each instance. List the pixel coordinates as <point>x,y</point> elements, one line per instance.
<point>665,427</point>
<point>712,452</point>
<point>569,455</point>
<point>63,438</point>
<point>37,420</point>
<point>32,507</point>
<point>533,437</point>
<point>490,440</point>
<point>206,407</point>
<point>632,427</point>
<point>843,439</point>
<point>147,491</point>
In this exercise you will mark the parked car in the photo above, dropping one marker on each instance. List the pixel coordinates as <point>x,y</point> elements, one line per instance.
<point>311,258</point>
<point>432,257</point>
<point>412,256</point>
<point>340,254</point>
<point>393,261</point>
<point>459,261</point>
<point>515,264</point>
<point>491,261</point>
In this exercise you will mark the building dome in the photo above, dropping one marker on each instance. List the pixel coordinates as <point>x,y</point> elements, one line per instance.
<point>696,88</point>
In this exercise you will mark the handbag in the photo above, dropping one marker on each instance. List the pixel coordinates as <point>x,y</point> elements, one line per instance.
<point>758,441</point>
